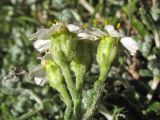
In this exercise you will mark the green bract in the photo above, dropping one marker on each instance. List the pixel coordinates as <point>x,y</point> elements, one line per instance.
<point>53,74</point>
<point>63,49</point>
<point>106,53</point>
<point>55,79</point>
<point>81,62</point>
<point>65,41</point>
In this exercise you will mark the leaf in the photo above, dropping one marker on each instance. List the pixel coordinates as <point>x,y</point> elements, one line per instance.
<point>138,26</point>
<point>27,19</point>
<point>154,107</point>
<point>147,45</point>
<point>145,73</point>
<point>6,115</point>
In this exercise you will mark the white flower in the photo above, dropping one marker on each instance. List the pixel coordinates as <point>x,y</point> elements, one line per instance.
<point>129,44</point>
<point>40,81</point>
<point>48,33</point>
<point>43,33</point>
<point>39,32</point>
<point>42,36</point>
<point>42,45</point>
<point>97,32</point>
<point>38,73</point>
<point>91,34</point>
<point>87,36</point>
<point>73,28</point>
<point>112,32</point>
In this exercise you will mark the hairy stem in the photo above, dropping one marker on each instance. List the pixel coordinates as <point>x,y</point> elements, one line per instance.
<point>70,85</point>
<point>61,60</point>
<point>67,100</point>
<point>96,94</point>
<point>97,91</point>
<point>79,82</point>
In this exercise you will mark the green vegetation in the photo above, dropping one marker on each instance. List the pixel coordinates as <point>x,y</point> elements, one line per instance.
<point>131,90</point>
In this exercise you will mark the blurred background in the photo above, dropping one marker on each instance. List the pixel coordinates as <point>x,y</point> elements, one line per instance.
<point>133,91</point>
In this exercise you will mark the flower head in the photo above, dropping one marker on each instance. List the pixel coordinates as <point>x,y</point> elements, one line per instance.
<point>96,34</point>
<point>38,73</point>
<point>43,36</point>
<point>129,43</point>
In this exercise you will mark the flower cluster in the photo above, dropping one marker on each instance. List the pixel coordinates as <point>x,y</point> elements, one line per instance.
<point>69,52</point>
<point>42,36</point>
<point>42,41</point>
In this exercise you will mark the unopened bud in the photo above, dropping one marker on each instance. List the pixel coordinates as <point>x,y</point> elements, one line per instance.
<point>106,53</point>
<point>63,42</point>
<point>81,62</point>
<point>53,74</point>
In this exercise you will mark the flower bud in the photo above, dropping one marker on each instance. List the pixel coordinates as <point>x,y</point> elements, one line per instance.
<point>65,42</point>
<point>53,74</point>
<point>63,50</point>
<point>81,62</point>
<point>106,53</point>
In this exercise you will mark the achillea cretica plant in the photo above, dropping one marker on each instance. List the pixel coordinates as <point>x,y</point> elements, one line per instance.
<point>69,57</point>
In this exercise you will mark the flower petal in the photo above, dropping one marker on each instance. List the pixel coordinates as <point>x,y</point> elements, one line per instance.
<point>38,73</point>
<point>40,81</point>
<point>34,36</point>
<point>112,32</point>
<point>130,45</point>
<point>42,45</point>
<point>109,28</point>
<point>87,36</point>
<point>35,70</point>
<point>73,28</point>
<point>47,34</point>
<point>97,32</point>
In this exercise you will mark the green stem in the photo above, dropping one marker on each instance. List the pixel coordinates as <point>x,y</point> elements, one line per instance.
<point>67,100</point>
<point>61,60</point>
<point>79,82</point>
<point>29,114</point>
<point>106,53</point>
<point>96,93</point>
<point>6,115</point>
<point>70,85</point>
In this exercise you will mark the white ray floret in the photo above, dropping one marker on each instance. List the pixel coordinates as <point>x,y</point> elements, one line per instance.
<point>42,45</point>
<point>87,36</point>
<point>73,28</point>
<point>38,73</point>
<point>130,44</point>
<point>39,32</point>
<point>40,81</point>
<point>112,32</point>
<point>92,34</point>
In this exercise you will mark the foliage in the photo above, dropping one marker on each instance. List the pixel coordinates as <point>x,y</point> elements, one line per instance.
<point>132,90</point>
